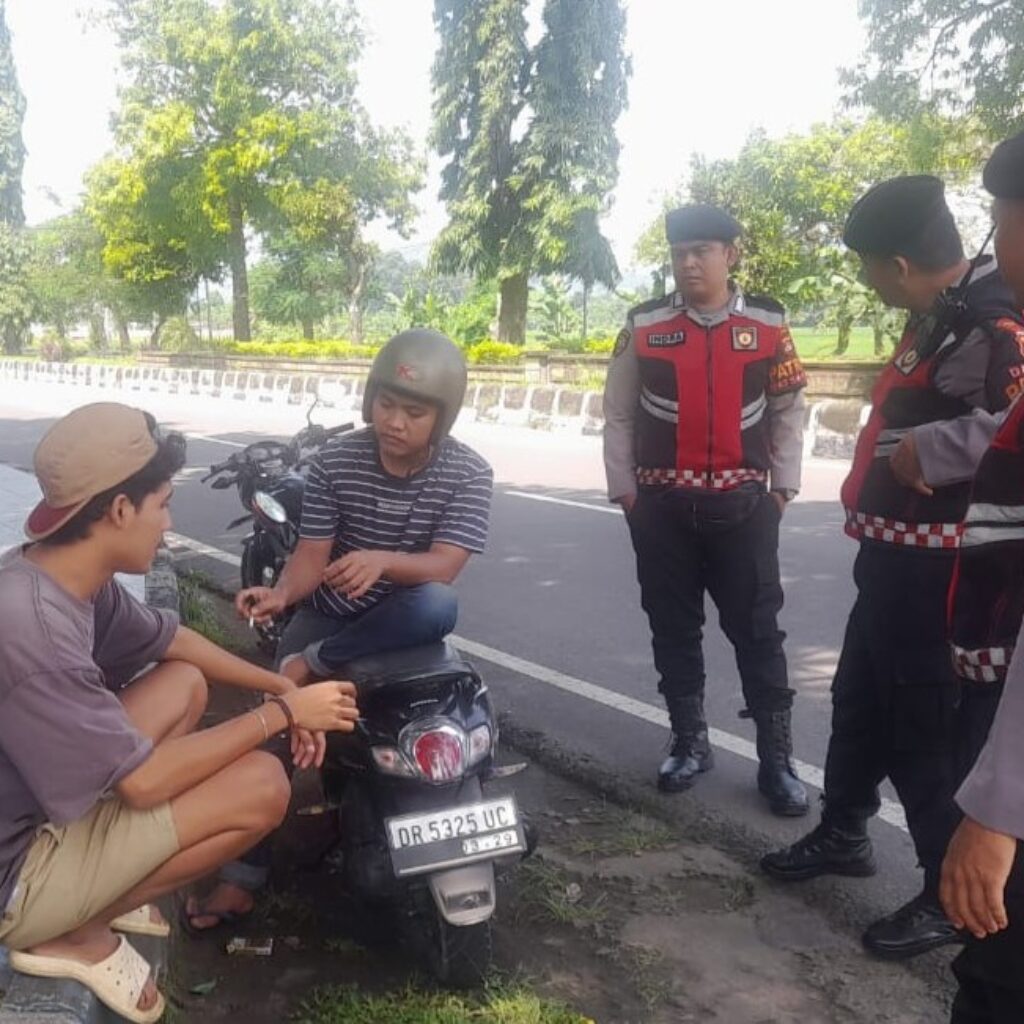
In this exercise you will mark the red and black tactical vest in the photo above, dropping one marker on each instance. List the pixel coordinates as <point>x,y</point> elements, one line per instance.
<point>945,366</point>
<point>986,596</point>
<point>704,391</point>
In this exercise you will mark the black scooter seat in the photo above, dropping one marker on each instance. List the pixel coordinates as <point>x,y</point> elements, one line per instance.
<point>409,665</point>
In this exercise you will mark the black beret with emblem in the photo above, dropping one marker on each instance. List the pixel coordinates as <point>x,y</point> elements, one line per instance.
<point>1004,172</point>
<point>701,222</point>
<point>894,217</point>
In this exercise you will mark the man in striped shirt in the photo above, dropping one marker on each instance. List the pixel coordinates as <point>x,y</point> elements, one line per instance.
<point>390,516</point>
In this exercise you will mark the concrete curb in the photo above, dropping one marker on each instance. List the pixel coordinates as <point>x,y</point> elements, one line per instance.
<point>832,423</point>
<point>26,1000</point>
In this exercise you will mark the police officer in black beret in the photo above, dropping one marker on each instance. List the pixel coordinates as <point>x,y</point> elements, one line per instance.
<point>934,408</point>
<point>983,873</point>
<point>703,442</point>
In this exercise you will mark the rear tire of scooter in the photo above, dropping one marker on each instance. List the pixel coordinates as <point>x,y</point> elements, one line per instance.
<point>461,957</point>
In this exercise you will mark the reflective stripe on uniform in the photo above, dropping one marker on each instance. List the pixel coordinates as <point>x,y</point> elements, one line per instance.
<point>860,525</point>
<point>716,481</point>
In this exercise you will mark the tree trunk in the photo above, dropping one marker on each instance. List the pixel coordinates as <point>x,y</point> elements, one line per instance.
<point>355,307</point>
<point>239,272</point>
<point>515,292</point>
<point>124,338</point>
<point>843,341</point>
<point>308,329</point>
<point>154,338</point>
<point>14,340</point>
<point>879,340</point>
<point>97,331</point>
<point>209,315</point>
<point>586,299</point>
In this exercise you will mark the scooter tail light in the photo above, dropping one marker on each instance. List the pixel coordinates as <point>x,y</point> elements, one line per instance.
<point>439,755</point>
<point>391,761</point>
<point>480,743</point>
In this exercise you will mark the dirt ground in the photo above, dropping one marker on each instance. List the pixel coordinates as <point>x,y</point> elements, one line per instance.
<point>617,914</point>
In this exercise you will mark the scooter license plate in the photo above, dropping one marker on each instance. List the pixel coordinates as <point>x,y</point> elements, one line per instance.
<point>447,838</point>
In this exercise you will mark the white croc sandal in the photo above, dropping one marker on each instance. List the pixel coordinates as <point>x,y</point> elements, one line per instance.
<point>140,922</point>
<point>117,981</point>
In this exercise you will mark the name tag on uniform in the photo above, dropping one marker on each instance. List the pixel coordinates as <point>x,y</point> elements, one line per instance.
<point>666,340</point>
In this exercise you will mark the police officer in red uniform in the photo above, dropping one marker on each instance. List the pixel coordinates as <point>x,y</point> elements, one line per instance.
<point>895,692</point>
<point>703,413</point>
<point>983,873</point>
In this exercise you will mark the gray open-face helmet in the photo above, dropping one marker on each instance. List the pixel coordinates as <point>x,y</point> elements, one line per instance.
<point>422,364</point>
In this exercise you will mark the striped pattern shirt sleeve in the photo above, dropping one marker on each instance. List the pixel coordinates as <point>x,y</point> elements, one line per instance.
<point>321,511</point>
<point>464,522</point>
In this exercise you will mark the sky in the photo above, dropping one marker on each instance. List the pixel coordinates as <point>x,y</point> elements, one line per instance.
<point>705,74</point>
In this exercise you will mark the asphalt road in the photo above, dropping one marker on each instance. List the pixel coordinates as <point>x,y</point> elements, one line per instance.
<point>556,589</point>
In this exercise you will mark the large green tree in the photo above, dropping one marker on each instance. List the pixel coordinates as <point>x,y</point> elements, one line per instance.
<point>947,56</point>
<point>238,114</point>
<point>528,136</point>
<point>793,194</point>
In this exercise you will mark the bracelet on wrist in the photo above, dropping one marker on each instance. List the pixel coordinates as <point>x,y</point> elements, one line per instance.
<point>283,705</point>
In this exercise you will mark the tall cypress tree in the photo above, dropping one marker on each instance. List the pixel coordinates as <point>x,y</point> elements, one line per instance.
<point>16,303</point>
<point>528,134</point>
<point>12,114</point>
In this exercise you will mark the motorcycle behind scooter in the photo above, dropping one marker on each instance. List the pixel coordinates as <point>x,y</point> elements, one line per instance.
<point>419,835</point>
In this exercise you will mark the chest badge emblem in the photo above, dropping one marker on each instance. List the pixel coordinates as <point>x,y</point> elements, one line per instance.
<point>744,339</point>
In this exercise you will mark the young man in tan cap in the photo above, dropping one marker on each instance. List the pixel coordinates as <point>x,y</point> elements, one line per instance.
<point>108,799</point>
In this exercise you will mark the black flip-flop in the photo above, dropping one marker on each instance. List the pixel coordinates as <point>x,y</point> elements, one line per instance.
<point>223,918</point>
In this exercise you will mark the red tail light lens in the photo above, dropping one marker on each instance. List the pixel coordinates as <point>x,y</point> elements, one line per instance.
<point>438,755</point>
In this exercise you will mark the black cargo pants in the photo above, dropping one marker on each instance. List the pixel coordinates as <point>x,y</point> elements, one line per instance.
<point>725,543</point>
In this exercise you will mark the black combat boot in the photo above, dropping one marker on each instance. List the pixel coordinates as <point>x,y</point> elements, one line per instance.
<point>776,778</point>
<point>691,752</point>
<point>915,928</point>
<point>835,847</point>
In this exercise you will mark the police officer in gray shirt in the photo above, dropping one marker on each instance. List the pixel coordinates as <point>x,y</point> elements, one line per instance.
<point>982,886</point>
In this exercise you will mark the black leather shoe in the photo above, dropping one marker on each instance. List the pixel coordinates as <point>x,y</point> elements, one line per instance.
<point>691,750</point>
<point>776,778</point>
<point>828,850</point>
<point>688,759</point>
<point>915,928</point>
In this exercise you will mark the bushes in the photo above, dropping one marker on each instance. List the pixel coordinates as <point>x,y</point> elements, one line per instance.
<point>55,349</point>
<point>178,335</point>
<point>495,353</point>
<point>301,349</point>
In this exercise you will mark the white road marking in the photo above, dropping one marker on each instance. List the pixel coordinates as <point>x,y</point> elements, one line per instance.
<point>891,812</point>
<point>214,440</point>
<point>614,510</point>
<point>176,540</point>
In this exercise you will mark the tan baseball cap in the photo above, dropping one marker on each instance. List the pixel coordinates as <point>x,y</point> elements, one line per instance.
<point>92,449</point>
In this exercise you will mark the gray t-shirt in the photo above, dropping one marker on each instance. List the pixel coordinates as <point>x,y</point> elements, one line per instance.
<point>65,738</point>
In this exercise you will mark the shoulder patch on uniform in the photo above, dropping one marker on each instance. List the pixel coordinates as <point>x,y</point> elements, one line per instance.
<point>621,341</point>
<point>1014,329</point>
<point>766,302</point>
<point>650,304</point>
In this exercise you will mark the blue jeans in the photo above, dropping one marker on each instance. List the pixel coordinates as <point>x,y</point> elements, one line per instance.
<point>408,617</point>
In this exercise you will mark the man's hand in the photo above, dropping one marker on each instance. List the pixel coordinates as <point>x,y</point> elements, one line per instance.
<point>260,604</point>
<point>974,874</point>
<point>780,500</point>
<point>308,748</point>
<point>627,501</point>
<point>353,574</point>
<point>906,466</point>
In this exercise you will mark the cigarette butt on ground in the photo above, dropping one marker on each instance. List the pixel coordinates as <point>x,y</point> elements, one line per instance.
<point>251,947</point>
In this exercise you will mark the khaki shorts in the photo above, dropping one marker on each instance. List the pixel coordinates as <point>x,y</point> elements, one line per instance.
<point>74,872</point>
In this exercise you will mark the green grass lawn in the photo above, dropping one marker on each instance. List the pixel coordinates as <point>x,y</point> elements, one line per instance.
<point>815,344</point>
<point>513,1006</point>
